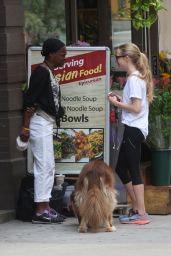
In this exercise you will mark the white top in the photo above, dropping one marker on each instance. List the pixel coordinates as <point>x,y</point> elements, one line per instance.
<point>55,90</point>
<point>135,87</point>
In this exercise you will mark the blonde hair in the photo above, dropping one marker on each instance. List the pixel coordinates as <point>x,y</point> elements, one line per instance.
<point>140,61</point>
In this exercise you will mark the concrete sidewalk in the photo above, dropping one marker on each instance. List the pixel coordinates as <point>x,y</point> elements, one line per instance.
<point>25,239</point>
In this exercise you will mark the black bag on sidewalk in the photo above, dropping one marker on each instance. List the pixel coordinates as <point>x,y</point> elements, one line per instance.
<point>25,204</point>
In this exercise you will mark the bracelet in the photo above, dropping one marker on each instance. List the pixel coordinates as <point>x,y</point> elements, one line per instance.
<point>26,129</point>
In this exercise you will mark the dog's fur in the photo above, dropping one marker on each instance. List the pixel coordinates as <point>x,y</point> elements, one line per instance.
<point>94,198</point>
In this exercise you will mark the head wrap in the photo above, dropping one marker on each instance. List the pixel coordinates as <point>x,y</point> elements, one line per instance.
<point>51,45</point>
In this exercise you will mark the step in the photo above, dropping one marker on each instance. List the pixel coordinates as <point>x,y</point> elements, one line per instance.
<point>6,215</point>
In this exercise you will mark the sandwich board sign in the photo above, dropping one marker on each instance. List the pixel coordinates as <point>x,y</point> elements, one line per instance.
<point>84,130</point>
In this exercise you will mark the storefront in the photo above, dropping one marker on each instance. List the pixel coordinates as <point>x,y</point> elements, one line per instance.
<point>95,22</point>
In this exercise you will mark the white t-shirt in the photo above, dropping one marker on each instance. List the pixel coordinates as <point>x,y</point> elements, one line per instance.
<point>135,87</point>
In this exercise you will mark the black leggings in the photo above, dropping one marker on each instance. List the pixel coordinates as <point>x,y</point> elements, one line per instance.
<point>128,165</point>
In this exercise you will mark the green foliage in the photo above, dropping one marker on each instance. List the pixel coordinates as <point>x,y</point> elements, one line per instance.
<point>44,19</point>
<point>24,87</point>
<point>161,104</point>
<point>143,12</point>
<point>160,120</point>
<point>91,32</point>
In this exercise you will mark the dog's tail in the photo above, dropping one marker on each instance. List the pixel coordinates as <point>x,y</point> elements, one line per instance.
<point>94,207</point>
<point>96,203</point>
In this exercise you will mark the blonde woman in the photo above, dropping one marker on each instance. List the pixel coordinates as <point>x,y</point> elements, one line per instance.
<point>137,94</point>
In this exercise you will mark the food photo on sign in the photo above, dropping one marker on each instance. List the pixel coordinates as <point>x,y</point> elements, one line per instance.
<point>78,145</point>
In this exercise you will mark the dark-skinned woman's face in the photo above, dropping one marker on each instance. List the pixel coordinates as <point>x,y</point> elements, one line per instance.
<point>58,58</point>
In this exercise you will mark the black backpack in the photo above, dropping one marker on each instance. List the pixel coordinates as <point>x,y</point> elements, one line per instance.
<point>25,204</point>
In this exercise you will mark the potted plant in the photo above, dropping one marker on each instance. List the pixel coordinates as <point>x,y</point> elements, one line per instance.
<point>159,138</point>
<point>143,13</point>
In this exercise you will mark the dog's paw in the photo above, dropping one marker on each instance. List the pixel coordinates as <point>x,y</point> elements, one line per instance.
<point>113,228</point>
<point>82,229</point>
<point>110,229</point>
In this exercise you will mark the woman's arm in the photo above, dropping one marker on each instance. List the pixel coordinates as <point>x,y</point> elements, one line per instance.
<point>25,131</point>
<point>134,106</point>
<point>38,81</point>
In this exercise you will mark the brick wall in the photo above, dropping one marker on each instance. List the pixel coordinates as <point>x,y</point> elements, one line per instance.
<point>12,75</point>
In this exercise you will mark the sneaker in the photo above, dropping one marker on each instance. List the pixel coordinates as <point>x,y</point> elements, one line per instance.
<point>47,217</point>
<point>57,219</point>
<point>41,219</point>
<point>137,219</point>
<point>55,215</point>
<point>131,213</point>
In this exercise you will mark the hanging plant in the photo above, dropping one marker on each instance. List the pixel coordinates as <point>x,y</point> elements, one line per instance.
<point>143,12</point>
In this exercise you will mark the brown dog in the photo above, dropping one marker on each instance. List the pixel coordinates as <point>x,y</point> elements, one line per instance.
<point>94,198</point>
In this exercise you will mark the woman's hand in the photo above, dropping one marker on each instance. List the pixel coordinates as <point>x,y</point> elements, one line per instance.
<point>25,134</point>
<point>25,131</point>
<point>114,99</point>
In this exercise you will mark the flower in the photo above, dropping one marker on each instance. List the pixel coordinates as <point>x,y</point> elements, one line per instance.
<point>165,62</point>
<point>165,80</point>
<point>80,43</point>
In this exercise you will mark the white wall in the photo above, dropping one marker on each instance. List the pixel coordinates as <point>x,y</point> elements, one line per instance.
<point>165,27</point>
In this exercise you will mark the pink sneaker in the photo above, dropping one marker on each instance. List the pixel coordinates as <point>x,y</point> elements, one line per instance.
<point>136,219</point>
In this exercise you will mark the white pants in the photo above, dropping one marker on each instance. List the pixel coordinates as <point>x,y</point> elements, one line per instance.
<point>41,143</point>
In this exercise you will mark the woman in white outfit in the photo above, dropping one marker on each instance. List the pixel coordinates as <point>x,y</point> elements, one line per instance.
<point>41,110</point>
<point>137,94</point>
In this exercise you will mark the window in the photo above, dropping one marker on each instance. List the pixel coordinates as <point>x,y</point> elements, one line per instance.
<point>121,26</point>
<point>87,21</point>
<point>44,19</point>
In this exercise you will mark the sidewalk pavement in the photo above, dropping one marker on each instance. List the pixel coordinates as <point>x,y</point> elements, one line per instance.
<point>25,239</point>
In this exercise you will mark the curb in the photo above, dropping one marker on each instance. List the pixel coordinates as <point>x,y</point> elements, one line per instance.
<point>6,215</point>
